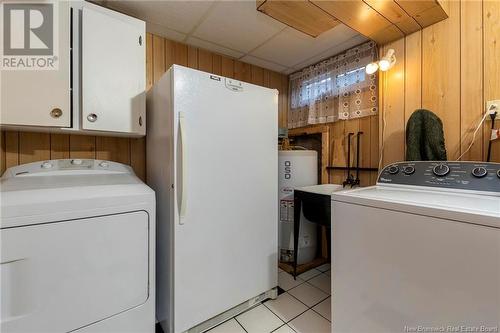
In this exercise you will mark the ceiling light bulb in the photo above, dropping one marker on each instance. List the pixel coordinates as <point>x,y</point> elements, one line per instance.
<point>371,68</point>
<point>387,61</point>
<point>384,65</point>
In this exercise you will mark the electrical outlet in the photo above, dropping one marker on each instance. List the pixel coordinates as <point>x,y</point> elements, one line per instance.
<point>489,104</point>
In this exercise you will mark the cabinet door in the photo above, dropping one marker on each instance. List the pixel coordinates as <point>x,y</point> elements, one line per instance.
<point>40,97</point>
<point>113,71</point>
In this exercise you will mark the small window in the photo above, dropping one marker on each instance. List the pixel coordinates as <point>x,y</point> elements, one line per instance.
<point>337,88</point>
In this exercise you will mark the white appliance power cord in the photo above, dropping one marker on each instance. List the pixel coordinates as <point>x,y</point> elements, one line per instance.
<point>486,114</point>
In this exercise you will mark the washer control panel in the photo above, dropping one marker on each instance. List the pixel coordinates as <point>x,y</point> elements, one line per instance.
<point>477,176</point>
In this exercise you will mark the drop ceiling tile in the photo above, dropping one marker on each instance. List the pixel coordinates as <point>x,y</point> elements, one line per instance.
<point>237,25</point>
<point>213,47</point>
<point>164,32</point>
<point>263,63</point>
<point>339,48</point>
<point>291,47</point>
<point>180,16</point>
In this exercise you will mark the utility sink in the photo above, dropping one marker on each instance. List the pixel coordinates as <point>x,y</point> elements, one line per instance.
<point>325,189</point>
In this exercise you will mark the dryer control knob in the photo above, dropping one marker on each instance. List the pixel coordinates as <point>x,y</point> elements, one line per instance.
<point>76,162</point>
<point>498,173</point>
<point>104,164</point>
<point>479,172</point>
<point>46,165</point>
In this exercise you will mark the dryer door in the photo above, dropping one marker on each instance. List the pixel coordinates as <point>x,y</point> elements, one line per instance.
<point>61,276</point>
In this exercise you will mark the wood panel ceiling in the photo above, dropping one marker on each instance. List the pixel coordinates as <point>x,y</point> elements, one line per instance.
<point>312,20</point>
<point>380,20</point>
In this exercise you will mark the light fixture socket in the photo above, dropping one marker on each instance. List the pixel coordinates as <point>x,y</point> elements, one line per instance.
<point>371,68</point>
<point>387,62</point>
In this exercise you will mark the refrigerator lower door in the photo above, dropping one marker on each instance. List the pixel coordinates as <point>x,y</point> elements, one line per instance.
<point>225,234</point>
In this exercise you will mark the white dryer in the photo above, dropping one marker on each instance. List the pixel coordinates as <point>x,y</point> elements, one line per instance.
<point>77,248</point>
<point>420,251</point>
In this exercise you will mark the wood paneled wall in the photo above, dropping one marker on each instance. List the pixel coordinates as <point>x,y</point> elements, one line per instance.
<point>451,68</point>
<point>369,148</point>
<point>338,133</point>
<point>25,147</point>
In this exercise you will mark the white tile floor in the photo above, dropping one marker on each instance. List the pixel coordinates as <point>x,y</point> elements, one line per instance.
<point>304,307</point>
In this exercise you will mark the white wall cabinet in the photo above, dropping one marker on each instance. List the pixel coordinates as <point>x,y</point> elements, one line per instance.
<point>41,97</point>
<point>100,85</point>
<point>113,71</point>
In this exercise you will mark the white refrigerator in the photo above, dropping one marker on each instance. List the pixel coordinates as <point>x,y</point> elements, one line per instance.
<point>212,159</point>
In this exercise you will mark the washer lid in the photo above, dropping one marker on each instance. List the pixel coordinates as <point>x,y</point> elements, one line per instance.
<point>67,189</point>
<point>459,206</point>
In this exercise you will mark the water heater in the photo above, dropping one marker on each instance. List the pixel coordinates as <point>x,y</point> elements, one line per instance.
<point>297,168</point>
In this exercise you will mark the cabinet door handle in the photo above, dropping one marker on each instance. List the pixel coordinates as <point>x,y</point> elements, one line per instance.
<point>92,117</point>
<point>56,113</point>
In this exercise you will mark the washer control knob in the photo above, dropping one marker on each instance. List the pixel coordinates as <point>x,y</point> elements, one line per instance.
<point>479,172</point>
<point>393,169</point>
<point>46,165</point>
<point>409,169</point>
<point>76,162</point>
<point>441,170</point>
<point>498,173</point>
<point>104,164</point>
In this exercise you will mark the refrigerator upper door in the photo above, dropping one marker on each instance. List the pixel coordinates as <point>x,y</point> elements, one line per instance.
<point>226,191</point>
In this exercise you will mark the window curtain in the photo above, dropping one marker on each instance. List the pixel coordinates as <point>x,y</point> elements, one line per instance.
<point>336,88</point>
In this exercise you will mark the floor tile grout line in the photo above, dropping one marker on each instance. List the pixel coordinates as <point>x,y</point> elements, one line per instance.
<point>310,307</point>
<point>301,282</point>
<point>321,315</point>
<point>308,284</point>
<point>285,321</point>
<point>282,326</point>
<point>310,277</point>
<point>297,316</point>
<point>243,327</point>
<point>307,306</point>
<point>319,302</point>
<point>274,313</point>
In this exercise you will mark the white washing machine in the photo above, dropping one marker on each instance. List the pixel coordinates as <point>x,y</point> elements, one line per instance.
<point>77,248</point>
<point>420,251</point>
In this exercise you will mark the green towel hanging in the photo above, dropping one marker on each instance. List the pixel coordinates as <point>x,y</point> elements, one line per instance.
<point>425,137</point>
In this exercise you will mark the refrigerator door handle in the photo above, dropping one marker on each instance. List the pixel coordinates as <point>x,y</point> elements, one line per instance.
<point>182,205</point>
